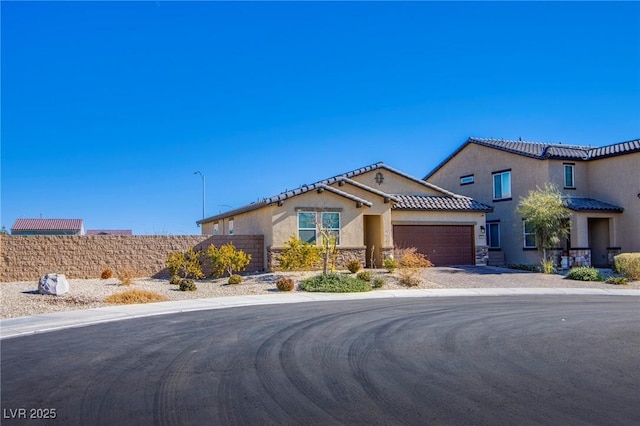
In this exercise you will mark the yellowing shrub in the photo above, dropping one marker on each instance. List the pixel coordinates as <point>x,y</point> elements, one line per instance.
<point>135,296</point>
<point>628,264</point>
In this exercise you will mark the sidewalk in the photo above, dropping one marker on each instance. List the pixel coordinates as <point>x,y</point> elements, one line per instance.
<point>14,327</point>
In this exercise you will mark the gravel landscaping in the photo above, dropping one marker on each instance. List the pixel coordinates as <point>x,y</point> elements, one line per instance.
<point>20,299</point>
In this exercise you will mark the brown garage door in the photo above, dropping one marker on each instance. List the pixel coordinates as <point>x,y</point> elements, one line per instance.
<point>442,244</point>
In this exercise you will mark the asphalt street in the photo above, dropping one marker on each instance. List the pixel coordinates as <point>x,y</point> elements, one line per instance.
<point>460,360</point>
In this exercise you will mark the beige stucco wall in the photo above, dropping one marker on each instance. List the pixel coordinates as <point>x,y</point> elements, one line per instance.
<point>616,180</point>
<point>482,161</point>
<point>394,183</point>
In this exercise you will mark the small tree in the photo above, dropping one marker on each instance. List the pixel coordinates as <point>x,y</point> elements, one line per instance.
<point>227,259</point>
<point>544,211</point>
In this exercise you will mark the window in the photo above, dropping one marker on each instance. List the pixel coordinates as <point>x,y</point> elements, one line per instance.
<point>307,227</point>
<point>230,226</point>
<point>216,229</point>
<point>493,235</point>
<point>466,180</point>
<point>502,185</point>
<point>331,224</point>
<point>569,176</point>
<point>529,235</point>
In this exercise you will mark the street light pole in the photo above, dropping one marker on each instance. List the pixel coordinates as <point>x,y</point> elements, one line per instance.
<point>203,186</point>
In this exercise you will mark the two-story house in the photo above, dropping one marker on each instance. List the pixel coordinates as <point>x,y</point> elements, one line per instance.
<point>601,187</point>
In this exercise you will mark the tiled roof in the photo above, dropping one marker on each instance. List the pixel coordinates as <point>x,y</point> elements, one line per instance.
<point>615,149</point>
<point>544,151</point>
<point>589,204</point>
<point>47,225</point>
<point>320,187</point>
<point>432,202</point>
<point>326,185</point>
<point>109,232</point>
<point>381,165</point>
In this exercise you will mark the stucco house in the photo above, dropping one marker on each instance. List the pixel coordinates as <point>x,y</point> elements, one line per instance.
<point>601,187</point>
<point>48,227</point>
<point>369,211</point>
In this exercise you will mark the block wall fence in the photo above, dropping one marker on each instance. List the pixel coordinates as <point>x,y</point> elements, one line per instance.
<point>26,258</point>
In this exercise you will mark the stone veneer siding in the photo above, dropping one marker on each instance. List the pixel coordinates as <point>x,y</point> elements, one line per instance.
<point>25,258</point>
<point>343,256</point>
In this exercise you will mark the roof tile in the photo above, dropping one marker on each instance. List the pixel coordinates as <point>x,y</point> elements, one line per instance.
<point>47,225</point>
<point>433,202</point>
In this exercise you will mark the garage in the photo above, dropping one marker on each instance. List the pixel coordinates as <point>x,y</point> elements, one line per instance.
<point>442,244</point>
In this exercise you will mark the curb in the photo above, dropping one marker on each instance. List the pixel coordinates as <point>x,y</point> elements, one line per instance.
<point>43,323</point>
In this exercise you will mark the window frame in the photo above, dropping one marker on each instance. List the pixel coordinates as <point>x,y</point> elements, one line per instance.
<point>216,228</point>
<point>314,229</point>
<point>489,233</point>
<point>572,167</point>
<point>231,226</point>
<point>470,180</point>
<point>332,230</point>
<point>503,196</point>
<point>526,234</point>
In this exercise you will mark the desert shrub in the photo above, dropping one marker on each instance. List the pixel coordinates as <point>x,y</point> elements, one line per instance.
<point>135,296</point>
<point>175,280</point>
<point>354,265</point>
<point>125,276</point>
<point>227,259</point>
<point>235,279</point>
<point>187,264</point>
<point>285,284</point>
<point>377,282</point>
<point>628,264</point>
<point>334,283</point>
<point>365,276</point>
<point>547,266</point>
<point>106,274</point>
<point>390,264</point>
<point>617,280</point>
<point>584,273</point>
<point>410,277</point>
<point>410,258</point>
<point>298,255</point>
<point>187,285</point>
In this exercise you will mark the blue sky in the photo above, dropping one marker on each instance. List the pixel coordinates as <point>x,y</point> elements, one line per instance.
<point>108,108</point>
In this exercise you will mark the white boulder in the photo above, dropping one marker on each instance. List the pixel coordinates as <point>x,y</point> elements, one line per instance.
<point>55,284</point>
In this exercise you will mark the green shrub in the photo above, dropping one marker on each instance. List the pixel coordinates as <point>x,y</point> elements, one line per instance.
<point>377,282</point>
<point>617,280</point>
<point>390,264</point>
<point>187,285</point>
<point>299,256</point>
<point>628,264</point>
<point>547,266</point>
<point>335,283</point>
<point>187,264</point>
<point>227,259</point>
<point>365,276</point>
<point>235,279</point>
<point>285,284</point>
<point>584,273</point>
<point>354,265</point>
<point>175,280</point>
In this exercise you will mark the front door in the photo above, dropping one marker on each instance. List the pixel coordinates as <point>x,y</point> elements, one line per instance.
<point>599,242</point>
<point>373,240</point>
